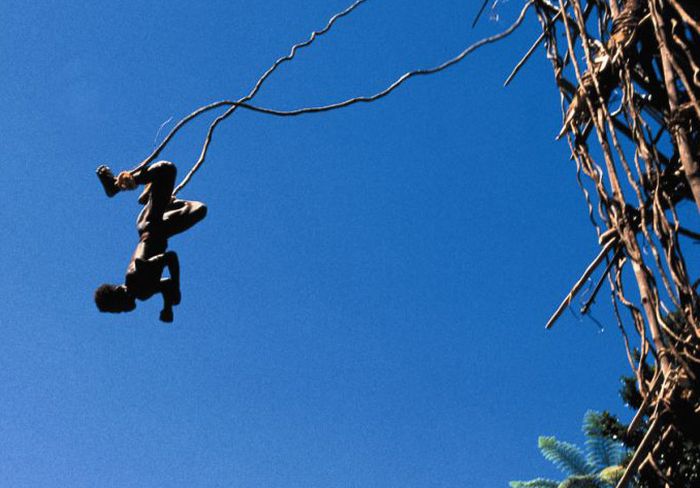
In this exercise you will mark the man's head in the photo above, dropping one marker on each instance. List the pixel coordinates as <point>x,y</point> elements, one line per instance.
<point>114,299</point>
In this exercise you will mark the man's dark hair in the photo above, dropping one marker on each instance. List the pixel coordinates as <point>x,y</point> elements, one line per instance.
<point>110,298</point>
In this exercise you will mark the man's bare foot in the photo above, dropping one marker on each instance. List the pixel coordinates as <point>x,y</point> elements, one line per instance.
<point>108,180</point>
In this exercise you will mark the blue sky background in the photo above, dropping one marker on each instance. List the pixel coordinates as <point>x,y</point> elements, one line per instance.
<point>364,305</point>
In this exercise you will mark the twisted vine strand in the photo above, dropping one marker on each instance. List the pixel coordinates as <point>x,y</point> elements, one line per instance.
<point>255,89</point>
<point>334,106</point>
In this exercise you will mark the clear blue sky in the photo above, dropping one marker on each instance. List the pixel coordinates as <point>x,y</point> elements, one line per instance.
<point>364,304</point>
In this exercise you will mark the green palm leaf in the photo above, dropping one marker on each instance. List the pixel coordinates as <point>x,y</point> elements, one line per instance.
<point>602,451</point>
<point>537,483</point>
<point>587,481</point>
<point>565,456</point>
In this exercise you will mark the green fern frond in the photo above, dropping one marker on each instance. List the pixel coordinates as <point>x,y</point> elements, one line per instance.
<point>592,424</point>
<point>602,451</point>
<point>565,456</point>
<point>612,474</point>
<point>587,481</point>
<point>618,453</point>
<point>536,483</point>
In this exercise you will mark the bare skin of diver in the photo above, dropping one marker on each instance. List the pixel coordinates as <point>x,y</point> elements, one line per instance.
<point>162,217</point>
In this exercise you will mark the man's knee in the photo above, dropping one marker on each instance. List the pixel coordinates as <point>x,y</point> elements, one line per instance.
<point>195,211</point>
<point>199,211</point>
<point>183,215</point>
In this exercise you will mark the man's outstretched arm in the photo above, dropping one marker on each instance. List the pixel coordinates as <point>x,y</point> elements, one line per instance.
<point>169,287</point>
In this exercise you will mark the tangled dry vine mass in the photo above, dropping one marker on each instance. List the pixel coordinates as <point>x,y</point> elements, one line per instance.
<point>629,77</point>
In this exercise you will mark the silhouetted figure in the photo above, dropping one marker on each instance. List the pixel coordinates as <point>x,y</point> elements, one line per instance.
<point>162,217</point>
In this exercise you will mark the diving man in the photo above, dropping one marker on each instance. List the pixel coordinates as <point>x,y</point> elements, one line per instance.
<point>162,217</point>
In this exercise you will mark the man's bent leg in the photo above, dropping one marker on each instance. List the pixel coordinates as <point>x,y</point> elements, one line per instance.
<point>161,177</point>
<point>182,215</point>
